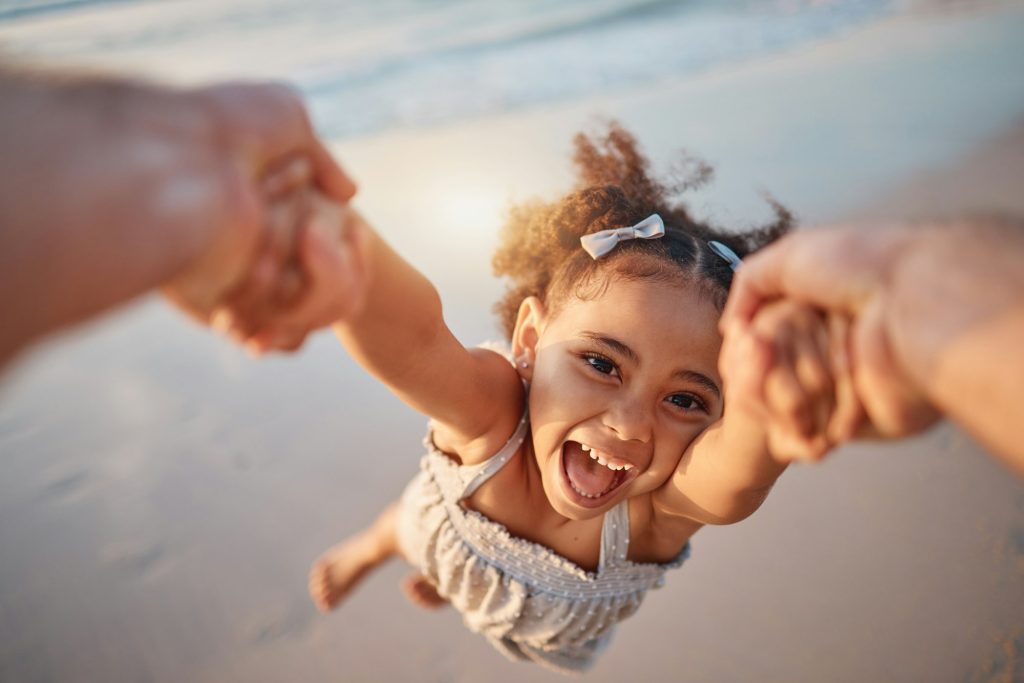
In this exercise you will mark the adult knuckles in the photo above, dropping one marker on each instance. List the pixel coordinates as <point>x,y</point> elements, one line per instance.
<point>255,114</point>
<point>288,102</point>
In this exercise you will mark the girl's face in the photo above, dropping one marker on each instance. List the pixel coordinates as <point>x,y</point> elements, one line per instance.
<point>620,385</point>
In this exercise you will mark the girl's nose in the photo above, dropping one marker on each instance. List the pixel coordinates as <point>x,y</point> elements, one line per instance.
<point>630,419</point>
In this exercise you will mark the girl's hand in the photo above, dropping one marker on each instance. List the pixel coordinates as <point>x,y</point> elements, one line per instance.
<point>333,253</point>
<point>790,371</point>
<point>276,280</point>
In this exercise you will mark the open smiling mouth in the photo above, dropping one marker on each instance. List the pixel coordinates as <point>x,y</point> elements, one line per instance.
<point>588,482</point>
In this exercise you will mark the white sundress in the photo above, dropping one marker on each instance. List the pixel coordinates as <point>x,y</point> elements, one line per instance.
<point>528,601</point>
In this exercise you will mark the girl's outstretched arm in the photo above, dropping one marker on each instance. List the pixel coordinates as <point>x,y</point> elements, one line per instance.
<point>399,335</point>
<point>723,477</point>
<point>388,316</point>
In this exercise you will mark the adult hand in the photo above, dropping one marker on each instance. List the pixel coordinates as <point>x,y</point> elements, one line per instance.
<point>786,373</point>
<point>846,271</point>
<point>268,149</point>
<point>333,253</point>
<point>113,187</point>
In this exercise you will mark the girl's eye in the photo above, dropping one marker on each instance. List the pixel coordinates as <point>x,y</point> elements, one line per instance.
<point>602,365</point>
<point>686,402</point>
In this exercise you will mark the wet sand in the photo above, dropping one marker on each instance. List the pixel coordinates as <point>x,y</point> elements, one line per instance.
<point>162,495</point>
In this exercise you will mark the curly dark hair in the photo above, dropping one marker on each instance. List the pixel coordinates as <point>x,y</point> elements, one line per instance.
<point>539,248</point>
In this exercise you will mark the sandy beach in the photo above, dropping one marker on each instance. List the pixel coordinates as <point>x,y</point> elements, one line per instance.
<point>162,495</point>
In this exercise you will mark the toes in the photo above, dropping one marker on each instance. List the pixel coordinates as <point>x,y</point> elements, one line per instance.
<point>324,587</point>
<point>319,586</point>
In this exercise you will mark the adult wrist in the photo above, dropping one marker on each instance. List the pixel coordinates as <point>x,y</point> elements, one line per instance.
<point>951,277</point>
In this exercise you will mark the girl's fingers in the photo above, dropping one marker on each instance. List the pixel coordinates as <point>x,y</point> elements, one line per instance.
<point>848,415</point>
<point>328,275</point>
<point>248,303</point>
<point>292,215</point>
<point>786,401</point>
<point>810,350</point>
<point>293,173</point>
<point>292,343</point>
<point>288,340</point>
<point>322,282</point>
<point>305,296</point>
<point>289,287</point>
<point>274,280</point>
<point>228,324</point>
<point>222,320</point>
<point>247,306</point>
<point>276,339</point>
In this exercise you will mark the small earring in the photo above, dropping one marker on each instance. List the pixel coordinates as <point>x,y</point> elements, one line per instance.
<point>523,364</point>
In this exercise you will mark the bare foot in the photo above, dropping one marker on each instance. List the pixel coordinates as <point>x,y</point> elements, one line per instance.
<point>342,567</point>
<point>421,592</point>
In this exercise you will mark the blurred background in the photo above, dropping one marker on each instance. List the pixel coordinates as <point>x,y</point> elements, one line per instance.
<point>162,495</point>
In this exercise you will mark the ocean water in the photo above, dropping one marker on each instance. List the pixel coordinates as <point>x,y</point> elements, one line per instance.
<point>371,65</point>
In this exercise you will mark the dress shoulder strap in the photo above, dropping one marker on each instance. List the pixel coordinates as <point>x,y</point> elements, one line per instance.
<point>615,535</point>
<point>473,476</point>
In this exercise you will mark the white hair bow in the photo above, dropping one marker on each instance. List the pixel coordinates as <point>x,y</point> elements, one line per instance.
<point>598,244</point>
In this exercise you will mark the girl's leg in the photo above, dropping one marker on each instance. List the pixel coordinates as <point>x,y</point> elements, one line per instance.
<point>342,567</point>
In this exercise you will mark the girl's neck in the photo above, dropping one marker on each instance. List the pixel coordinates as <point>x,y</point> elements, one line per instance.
<point>543,514</point>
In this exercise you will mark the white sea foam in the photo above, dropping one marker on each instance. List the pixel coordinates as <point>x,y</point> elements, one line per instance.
<point>376,64</point>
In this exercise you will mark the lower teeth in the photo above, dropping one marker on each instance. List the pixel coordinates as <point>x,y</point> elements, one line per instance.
<point>585,494</point>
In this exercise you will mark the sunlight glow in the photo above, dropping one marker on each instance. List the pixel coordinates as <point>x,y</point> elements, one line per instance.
<point>469,210</point>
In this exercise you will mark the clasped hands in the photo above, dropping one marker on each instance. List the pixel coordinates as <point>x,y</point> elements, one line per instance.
<point>286,254</point>
<point>814,349</point>
<point>312,268</point>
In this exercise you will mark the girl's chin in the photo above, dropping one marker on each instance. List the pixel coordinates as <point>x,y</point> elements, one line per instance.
<point>566,508</point>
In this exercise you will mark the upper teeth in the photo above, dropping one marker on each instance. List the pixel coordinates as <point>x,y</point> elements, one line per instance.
<point>604,458</point>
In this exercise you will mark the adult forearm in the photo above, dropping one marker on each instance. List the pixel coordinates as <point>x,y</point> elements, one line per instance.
<point>107,192</point>
<point>957,323</point>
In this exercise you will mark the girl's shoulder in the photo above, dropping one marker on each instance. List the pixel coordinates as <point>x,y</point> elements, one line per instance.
<point>506,402</point>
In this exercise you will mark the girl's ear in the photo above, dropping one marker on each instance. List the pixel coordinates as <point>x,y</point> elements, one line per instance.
<point>529,325</point>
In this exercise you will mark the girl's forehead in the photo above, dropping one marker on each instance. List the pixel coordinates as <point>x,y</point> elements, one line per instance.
<point>654,300</point>
<point>651,314</point>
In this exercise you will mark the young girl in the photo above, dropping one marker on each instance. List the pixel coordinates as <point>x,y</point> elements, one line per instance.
<point>566,474</point>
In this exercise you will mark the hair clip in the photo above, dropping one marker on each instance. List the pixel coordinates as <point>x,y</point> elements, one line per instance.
<point>727,254</point>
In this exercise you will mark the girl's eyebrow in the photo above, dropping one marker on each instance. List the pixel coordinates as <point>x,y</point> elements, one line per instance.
<point>622,349</point>
<point>613,344</point>
<point>698,378</point>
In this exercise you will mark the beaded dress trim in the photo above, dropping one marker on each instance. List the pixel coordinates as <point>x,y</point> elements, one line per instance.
<point>531,563</point>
